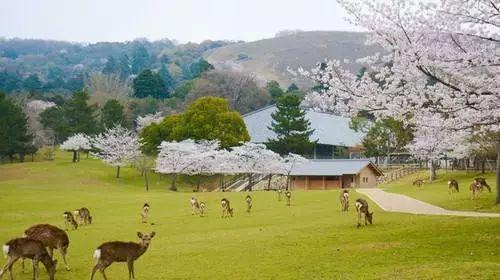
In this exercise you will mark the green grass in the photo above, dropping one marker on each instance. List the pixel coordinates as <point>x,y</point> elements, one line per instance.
<point>311,239</point>
<point>437,192</point>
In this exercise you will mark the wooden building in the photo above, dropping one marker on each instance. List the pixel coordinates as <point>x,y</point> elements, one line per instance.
<point>335,174</point>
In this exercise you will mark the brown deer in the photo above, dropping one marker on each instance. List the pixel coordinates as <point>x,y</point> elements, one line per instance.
<point>248,200</point>
<point>118,251</point>
<point>483,183</point>
<point>28,248</point>
<point>280,192</point>
<point>69,220</point>
<point>83,216</point>
<point>453,186</point>
<point>475,188</point>
<point>344,200</point>
<point>419,183</point>
<point>226,208</point>
<point>362,208</point>
<point>195,206</point>
<point>51,237</point>
<point>203,209</point>
<point>288,196</point>
<point>145,212</point>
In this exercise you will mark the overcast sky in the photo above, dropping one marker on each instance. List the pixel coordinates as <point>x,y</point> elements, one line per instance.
<point>183,20</point>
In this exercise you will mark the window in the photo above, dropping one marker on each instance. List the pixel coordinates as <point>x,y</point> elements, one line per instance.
<point>365,179</point>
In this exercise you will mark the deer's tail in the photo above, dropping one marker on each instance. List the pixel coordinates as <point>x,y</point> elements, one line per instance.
<point>5,249</point>
<point>97,254</point>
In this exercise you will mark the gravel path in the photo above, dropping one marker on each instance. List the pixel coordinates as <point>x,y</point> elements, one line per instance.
<point>392,202</point>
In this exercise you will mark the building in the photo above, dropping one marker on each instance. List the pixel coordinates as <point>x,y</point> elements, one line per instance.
<point>334,138</point>
<point>335,174</point>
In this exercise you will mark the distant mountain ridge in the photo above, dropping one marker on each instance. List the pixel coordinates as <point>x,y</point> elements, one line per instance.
<point>269,59</point>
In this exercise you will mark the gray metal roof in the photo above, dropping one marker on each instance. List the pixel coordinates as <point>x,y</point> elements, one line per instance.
<point>330,167</point>
<point>328,129</point>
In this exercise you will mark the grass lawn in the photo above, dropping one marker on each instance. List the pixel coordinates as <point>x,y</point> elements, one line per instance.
<point>437,192</point>
<point>311,239</point>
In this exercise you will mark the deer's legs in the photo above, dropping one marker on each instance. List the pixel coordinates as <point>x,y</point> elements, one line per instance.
<point>130,265</point>
<point>63,251</point>
<point>22,265</point>
<point>35,269</point>
<point>8,266</point>
<point>101,266</point>
<point>359,218</point>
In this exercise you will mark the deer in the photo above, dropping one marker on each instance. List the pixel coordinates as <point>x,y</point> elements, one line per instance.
<point>51,237</point>
<point>344,200</point>
<point>280,192</point>
<point>419,183</point>
<point>195,206</point>
<point>475,188</point>
<point>288,196</point>
<point>362,208</point>
<point>119,251</point>
<point>483,183</point>
<point>83,216</point>
<point>69,220</point>
<point>248,200</point>
<point>203,209</point>
<point>25,247</point>
<point>145,212</point>
<point>453,186</point>
<point>226,208</point>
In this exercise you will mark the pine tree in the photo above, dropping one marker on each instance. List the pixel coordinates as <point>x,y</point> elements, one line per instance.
<point>14,136</point>
<point>140,59</point>
<point>111,66</point>
<point>168,81</point>
<point>147,84</point>
<point>124,66</point>
<point>291,127</point>
<point>112,114</point>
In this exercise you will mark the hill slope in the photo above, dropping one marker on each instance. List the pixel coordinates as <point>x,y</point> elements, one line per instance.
<point>269,59</point>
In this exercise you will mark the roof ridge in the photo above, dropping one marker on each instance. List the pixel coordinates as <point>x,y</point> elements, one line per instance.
<point>259,110</point>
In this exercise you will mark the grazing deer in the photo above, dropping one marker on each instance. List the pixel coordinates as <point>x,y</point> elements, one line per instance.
<point>453,186</point>
<point>195,206</point>
<point>362,208</point>
<point>83,215</point>
<point>483,183</point>
<point>288,196</point>
<point>475,188</point>
<point>226,208</point>
<point>51,237</point>
<point>118,251</point>
<point>145,212</point>
<point>203,209</point>
<point>280,192</point>
<point>419,183</point>
<point>28,248</point>
<point>69,220</point>
<point>344,200</point>
<point>248,200</point>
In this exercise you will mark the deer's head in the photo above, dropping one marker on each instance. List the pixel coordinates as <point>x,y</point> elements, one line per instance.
<point>146,238</point>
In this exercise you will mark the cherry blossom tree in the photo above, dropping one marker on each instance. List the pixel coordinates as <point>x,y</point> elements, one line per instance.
<point>117,146</point>
<point>144,121</point>
<point>441,58</point>
<point>76,144</point>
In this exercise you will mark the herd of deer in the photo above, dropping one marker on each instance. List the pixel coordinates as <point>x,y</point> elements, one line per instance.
<point>476,187</point>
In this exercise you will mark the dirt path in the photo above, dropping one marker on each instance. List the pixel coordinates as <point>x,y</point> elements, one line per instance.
<point>392,202</point>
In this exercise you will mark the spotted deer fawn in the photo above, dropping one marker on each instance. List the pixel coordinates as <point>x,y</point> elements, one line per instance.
<point>453,186</point>
<point>145,212</point>
<point>419,183</point>
<point>69,220</point>
<point>483,183</point>
<point>227,211</point>
<point>362,208</point>
<point>83,216</point>
<point>28,248</point>
<point>203,209</point>
<point>51,237</point>
<point>344,200</point>
<point>195,206</point>
<point>288,196</point>
<point>118,251</point>
<point>248,200</point>
<point>475,188</point>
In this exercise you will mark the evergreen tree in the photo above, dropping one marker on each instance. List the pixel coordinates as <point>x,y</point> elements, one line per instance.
<point>291,127</point>
<point>111,66</point>
<point>147,84</point>
<point>14,138</point>
<point>274,90</point>
<point>140,59</point>
<point>32,83</point>
<point>168,81</point>
<point>292,87</point>
<point>124,66</point>
<point>112,114</point>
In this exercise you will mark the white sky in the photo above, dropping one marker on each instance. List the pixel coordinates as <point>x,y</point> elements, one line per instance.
<point>183,20</point>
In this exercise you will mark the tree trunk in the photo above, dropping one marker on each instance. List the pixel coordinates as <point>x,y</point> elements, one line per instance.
<point>21,156</point>
<point>482,166</point>
<point>198,182</point>
<point>74,156</point>
<point>78,155</point>
<point>118,172</point>
<point>432,171</point>
<point>249,187</point>
<point>145,172</point>
<point>173,187</point>
<point>269,182</point>
<point>33,157</point>
<point>498,172</point>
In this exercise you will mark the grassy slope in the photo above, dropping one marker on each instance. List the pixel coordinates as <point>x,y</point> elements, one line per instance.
<point>311,239</point>
<point>437,191</point>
